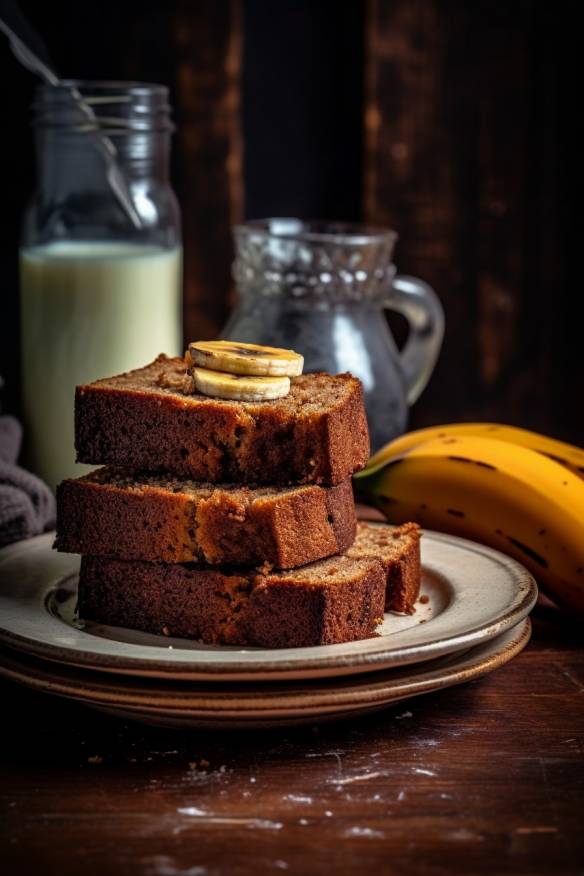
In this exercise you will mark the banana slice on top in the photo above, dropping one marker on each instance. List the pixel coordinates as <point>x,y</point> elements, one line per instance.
<point>241,387</point>
<point>235,358</point>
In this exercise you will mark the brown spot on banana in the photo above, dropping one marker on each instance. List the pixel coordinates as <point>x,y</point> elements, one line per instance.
<point>473,462</point>
<point>241,351</point>
<point>529,552</point>
<point>555,458</point>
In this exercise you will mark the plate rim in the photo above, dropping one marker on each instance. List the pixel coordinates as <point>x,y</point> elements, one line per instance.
<point>368,690</point>
<point>298,666</point>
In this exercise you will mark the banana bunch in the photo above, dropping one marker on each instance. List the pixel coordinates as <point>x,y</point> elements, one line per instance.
<point>246,372</point>
<point>514,490</point>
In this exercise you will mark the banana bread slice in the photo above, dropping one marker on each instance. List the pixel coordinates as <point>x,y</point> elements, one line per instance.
<point>398,549</point>
<point>334,600</point>
<point>129,515</point>
<point>152,419</point>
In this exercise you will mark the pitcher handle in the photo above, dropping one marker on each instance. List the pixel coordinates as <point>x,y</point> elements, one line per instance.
<point>420,305</point>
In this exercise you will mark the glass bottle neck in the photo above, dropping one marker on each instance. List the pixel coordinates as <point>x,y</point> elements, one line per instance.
<point>103,153</point>
<point>78,124</point>
<point>68,161</point>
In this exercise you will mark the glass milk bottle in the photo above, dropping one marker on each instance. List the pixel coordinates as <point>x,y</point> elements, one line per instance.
<point>101,285</point>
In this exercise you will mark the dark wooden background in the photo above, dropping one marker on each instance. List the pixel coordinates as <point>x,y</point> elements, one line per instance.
<point>447,120</point>
<point>453,122</point>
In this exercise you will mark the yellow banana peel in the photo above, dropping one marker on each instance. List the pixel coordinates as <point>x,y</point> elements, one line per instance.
<point>505,494</point>
<point>568,455</point>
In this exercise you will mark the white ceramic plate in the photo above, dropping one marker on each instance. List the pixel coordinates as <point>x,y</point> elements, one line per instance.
<point>474,593</point>
<point>200,704</point>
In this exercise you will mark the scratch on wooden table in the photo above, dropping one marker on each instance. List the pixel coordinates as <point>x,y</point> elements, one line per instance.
<point>367,832</point>
<point>575,681</point>
<point>363,777</point>
<point>544,828</point>
<point>211,818</point>
<point>427,743</point>
<point>298,798</point>
<point>335,754</point>
<point>546,784</point>
<point>423,772</point>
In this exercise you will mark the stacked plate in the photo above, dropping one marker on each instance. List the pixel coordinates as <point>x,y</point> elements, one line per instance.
<point>471,619</point>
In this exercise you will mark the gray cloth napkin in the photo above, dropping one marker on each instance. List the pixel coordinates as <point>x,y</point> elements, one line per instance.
<point>27,505</point>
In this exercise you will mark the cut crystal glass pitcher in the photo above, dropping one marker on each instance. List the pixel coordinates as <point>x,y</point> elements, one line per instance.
<point>322,289</point>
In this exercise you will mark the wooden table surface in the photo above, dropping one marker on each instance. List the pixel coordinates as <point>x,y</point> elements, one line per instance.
<point>486,777</point>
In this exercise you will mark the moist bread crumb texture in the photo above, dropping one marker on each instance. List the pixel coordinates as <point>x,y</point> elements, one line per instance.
<point>339,599</point>
<point>134,516</point>
<point>149,420</point>
<point>323,606</point>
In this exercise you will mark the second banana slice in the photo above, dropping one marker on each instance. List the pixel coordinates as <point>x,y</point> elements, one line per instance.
<point>239,386</point>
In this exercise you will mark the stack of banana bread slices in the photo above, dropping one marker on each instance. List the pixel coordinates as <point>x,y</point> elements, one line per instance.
<point>229,521</point>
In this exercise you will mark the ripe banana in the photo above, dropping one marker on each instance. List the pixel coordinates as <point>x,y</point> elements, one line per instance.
<point>501,494</point>
<point>566,454</point>
<point>240,386</point>
<point>238,358</point>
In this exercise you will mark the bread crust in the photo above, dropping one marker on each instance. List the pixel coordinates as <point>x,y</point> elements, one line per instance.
<point>150,419</point>
<point>130,516</point>
<point>398,550</point>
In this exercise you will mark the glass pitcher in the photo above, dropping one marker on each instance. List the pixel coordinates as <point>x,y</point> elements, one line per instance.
<point>321,289</point>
